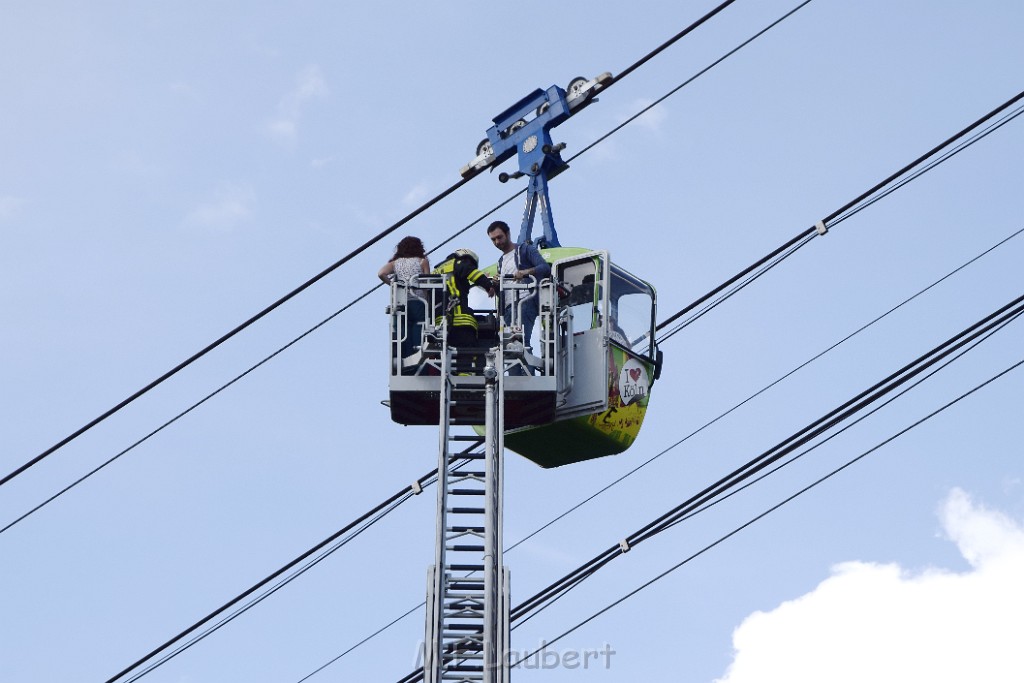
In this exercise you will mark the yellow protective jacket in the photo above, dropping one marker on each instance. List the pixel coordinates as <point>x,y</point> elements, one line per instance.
<point>463,274</point>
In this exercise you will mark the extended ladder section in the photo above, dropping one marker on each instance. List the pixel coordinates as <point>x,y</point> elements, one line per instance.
<point>467,623</point>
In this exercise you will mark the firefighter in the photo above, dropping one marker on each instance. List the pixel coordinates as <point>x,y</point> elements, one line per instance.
<point>461,269</point>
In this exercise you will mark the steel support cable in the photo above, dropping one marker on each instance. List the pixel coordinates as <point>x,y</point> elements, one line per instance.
<point>242,326</point>
<point>975,342</point>
<point>391,229</point>
<point>319,276</point>
<point>802,437</point>
<point>447,240</point>
<point>790,444</point>
<point>668,43</point>
<point>722,415</point>
<point>388,504</point>
<point>979,330</point>
<point>376,633</point>
<point>924,157</point>
<point>737,287</point>
<point>272,589</point>
<point>365,246</point>
<point>879,187</point>
<point>769,386</point>
<point>849,213</point>
<point>793,245</point>
<point>688,81</point>
<point>775,507</point>
<point>183,413</point>
<point>231,382</point>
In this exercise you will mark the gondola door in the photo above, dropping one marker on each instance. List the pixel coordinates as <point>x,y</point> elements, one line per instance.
<point>582,311</point>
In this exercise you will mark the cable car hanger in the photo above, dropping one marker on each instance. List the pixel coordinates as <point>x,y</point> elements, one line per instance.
<point>539,156</point>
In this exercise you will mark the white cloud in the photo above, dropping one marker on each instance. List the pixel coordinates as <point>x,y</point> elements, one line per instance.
<point>9,206</point>
<point>229,207</point>
<point>309,85</point>
<point>880,623</point>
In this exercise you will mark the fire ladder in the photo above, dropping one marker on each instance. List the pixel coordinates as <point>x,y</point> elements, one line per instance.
<point>467,623</point>
<point>467,630</point>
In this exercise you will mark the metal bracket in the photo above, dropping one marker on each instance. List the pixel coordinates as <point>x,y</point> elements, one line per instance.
<point>524,129</point>
<point>820,227</point>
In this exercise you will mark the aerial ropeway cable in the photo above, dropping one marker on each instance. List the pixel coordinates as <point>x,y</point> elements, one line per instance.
<point>321,275</point>
<point>551,641</point>
<point>866,198</point>
<point>926,162</point>
<point>964,340</point>
<point>387,505</point>
<point>817,230</point>
<point>324,273</point>
<point>430,478</point>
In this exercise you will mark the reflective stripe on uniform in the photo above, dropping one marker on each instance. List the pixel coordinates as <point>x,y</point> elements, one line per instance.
<point>459,320</point>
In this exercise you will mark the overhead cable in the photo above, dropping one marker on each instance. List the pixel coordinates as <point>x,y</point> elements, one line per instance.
<point>221,388</point>
<point>789,445</point>
<point>387,505</point>
<point>837,216</point>
<point>428,479</point>
<point>706,425</point>
<point>234,331</point>
<point>965,338</point>
<point>766,263</point>
<point>322,274</point>
<point>821,480</point>
<point>771,384</point>
<point>671,41</point>
<point>687,82</point>
<point>491,211</point>
<point>255,600</point>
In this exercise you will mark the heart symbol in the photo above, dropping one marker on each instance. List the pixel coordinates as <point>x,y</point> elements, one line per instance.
<point>634,373</point>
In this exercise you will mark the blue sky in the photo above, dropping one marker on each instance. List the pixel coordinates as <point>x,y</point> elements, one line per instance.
<point>169,169</point>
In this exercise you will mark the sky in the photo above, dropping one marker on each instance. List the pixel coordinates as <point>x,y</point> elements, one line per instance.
<point>167,170</point>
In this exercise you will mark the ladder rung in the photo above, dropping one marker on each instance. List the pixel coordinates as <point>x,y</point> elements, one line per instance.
<point>471,643</point>
<point>466,586</point>
<point>467,492</point>
<point>463,639</point>
<point>464,613</point>
<point>464,567</point>
<point>465,548</point>
<point>467,511</point>
<point>474,604</point>
<point>466,529</point>
<point>463,643</point>
<point>467,456</point>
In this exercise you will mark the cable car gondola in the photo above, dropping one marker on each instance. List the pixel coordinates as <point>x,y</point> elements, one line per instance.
<point>604,328</point>
<point>583,389</point>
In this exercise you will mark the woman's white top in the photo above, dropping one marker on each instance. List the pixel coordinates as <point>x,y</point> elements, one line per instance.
<point>408,267</point>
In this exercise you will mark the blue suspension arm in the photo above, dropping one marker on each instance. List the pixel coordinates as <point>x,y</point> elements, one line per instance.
<point>539,157</point>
